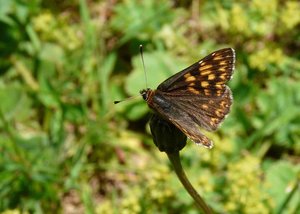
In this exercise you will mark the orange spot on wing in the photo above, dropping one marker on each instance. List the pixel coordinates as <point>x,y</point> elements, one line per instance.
<point>222,77</point>
<point>219,113</point>
<point>223,62</point>
<point>204,73</point>
<point>211,77</point>
<point>193,90</point>
<point>202,68</point>
<point>190,79</point>
<point>218,57</point>
<point>204,84</point>
<point>222,69</point>
<point>213,121</point>
<point>187,75</point>
<point>204,106</point>
<point>207,92</point>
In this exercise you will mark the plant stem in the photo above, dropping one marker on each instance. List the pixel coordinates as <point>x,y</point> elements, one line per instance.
<point>175,160</point>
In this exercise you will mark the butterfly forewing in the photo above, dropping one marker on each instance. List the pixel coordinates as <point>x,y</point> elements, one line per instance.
<point>205,77</point>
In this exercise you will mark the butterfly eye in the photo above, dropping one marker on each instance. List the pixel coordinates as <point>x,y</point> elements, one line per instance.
<point>146,93</point>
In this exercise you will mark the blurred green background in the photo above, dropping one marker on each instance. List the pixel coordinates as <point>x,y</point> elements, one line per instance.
<point>66,148</point>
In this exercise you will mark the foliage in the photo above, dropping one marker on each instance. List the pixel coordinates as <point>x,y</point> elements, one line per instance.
<point>64,145</point>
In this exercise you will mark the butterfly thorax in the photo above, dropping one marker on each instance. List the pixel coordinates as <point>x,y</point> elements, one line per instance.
<point>157,101</point>
<point>148,95</point>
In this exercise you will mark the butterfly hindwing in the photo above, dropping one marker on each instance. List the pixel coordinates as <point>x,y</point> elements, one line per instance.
<point>179,117</point>
<point>208,113</point>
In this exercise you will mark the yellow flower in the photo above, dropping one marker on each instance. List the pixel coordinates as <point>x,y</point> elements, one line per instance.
<point>290,15</point>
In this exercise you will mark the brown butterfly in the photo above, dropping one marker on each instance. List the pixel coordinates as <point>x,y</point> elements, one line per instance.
<point>196,96</point>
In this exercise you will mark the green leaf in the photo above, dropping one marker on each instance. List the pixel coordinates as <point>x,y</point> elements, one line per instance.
<point>52,53</point>
<point>281,177</point>
<point>14,102</point>
<point>141,19</point>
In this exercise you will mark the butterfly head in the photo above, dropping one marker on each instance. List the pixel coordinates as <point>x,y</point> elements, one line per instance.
<point>146,93</point>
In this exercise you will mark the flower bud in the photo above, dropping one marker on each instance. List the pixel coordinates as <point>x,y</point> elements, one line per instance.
<point>166,136</point>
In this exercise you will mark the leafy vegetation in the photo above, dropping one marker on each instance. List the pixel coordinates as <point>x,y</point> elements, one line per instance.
<point>66,148</point>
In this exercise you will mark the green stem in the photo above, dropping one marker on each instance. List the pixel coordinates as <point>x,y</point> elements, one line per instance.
<point>175,160</point>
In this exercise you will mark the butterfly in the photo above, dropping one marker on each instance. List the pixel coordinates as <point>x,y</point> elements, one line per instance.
<point>196,96</point>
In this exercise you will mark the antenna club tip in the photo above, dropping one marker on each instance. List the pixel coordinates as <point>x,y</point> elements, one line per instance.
<point>141,45</point>
<point>117,101</point>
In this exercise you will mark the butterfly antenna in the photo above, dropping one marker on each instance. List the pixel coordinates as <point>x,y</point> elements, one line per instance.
<point>128,98</point>
<point>133,97</point>
<point>142,57</point>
